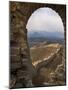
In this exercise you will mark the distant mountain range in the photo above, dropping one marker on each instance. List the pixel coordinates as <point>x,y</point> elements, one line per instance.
<point>45,34</point>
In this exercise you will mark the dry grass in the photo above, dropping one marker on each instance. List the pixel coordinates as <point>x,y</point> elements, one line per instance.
<point>41,52</point>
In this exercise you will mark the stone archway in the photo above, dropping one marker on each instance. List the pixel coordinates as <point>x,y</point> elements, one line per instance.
<point>20,61</point>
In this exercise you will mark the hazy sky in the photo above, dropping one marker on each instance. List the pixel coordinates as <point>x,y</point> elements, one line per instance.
<point>45,19</point>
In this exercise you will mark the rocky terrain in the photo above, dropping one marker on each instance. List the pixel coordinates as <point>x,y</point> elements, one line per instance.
<point>48,61</point>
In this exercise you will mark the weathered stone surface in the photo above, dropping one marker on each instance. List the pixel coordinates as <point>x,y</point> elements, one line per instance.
<point>15,58</point>
<point>58,77</point>
<point>14,51</point>
<point>15,66</point>
<point>12,81</point>
<point>19,14</point>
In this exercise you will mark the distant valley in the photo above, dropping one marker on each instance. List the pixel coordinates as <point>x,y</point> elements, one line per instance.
<point>34,38</point>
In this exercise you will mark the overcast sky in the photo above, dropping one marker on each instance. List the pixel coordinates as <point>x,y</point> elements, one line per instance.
<point>45,19</point>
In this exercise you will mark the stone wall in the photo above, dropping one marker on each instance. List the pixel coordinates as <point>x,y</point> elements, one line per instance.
<point>51,71</point>
<point>21,68</point>
<point>52,62</point>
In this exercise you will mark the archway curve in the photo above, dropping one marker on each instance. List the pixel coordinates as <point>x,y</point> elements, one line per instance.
<point>41,65</point>
<point>43,13</point>
<point>19,10</point>
<point>61,12</point>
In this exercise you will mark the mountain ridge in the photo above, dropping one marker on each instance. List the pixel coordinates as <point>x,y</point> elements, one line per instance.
<point>45,34</point>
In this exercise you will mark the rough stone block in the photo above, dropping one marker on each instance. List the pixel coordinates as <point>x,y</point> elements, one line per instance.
<point>14,58</point>
<point>14,51</point>
<point>15,66</point>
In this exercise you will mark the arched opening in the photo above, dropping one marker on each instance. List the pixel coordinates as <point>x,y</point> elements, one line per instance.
<point>45,32</point>
<point>50,71</point>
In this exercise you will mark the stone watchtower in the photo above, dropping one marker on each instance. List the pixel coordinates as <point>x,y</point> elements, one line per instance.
<point>21,68</point>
